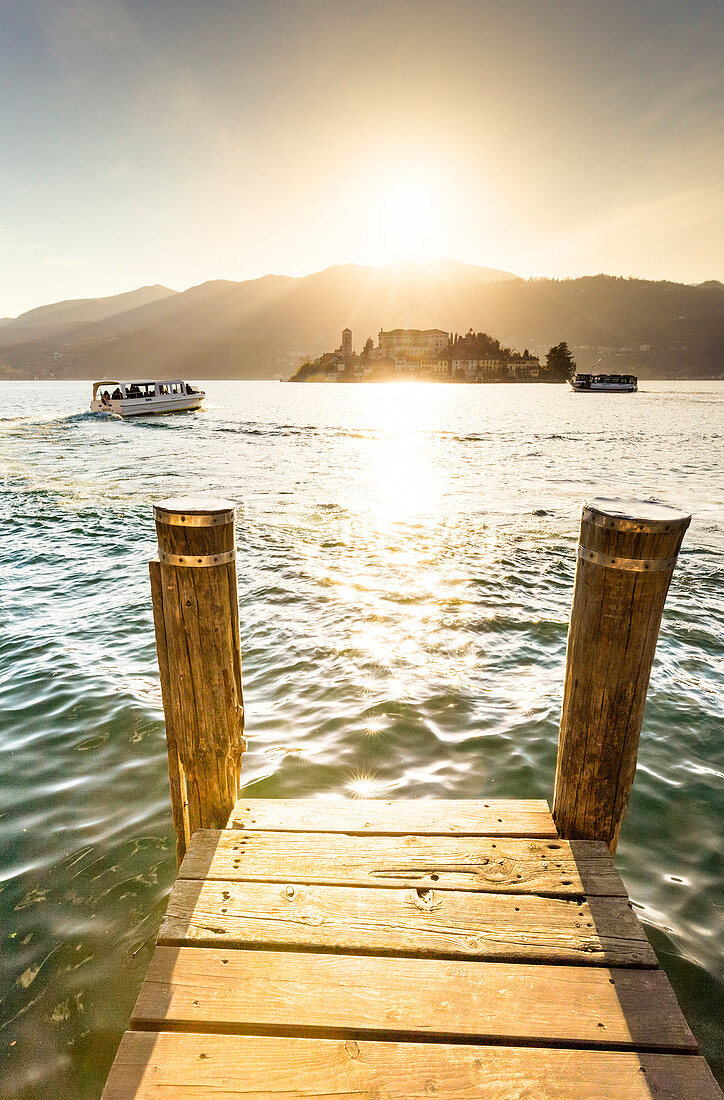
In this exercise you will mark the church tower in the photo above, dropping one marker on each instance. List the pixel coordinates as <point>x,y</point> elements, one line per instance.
<point>346,343</point>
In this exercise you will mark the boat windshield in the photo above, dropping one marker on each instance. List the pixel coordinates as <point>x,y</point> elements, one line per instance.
<point>140,389</point>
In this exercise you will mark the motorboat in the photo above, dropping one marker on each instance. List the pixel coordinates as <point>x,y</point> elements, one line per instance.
<point>604,383</point>
<point>143,398</point>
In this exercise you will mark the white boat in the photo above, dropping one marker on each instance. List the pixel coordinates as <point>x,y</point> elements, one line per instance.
<point>144,398</point>
<point>604,383</point>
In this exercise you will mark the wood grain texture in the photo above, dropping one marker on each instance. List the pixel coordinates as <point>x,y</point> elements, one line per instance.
<point>612,637</point>
<point>197,638</point>
<point>197,989</point>
<point>169,1066</point>
<point>424,922</point>
<point>176,778</point>
<point>425,817</point>
<point>507,865</point>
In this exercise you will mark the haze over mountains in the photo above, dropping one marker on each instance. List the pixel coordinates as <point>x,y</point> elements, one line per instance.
<point>262,328</point>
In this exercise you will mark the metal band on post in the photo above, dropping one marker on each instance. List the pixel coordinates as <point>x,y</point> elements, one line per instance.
<point>656,521</point>
<point>632,565</point>
<point>205,561</point>
<point>176,519</point>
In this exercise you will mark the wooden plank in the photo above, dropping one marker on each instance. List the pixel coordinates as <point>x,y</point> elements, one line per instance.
<point>168,1066</point>
<point>426,817</point>
<point>197,989</point>
<point>444,863</point>
<point>599,931</point>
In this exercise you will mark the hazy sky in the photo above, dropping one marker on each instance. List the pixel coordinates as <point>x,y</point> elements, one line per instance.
<point>175,141</point>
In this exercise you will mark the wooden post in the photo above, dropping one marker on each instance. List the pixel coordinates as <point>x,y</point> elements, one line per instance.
<point>626,555</point>
<point>196,616</point>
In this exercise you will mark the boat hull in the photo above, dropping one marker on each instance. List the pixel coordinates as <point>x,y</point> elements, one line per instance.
<point>602,387</point>
<point>149,406</point>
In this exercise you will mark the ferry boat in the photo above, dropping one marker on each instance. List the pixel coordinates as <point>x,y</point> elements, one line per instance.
<point>604,383</point>
<point>142,398</point>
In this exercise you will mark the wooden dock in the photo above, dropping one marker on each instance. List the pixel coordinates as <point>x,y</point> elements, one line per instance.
<point>403,949</point>
<point>390,950</point>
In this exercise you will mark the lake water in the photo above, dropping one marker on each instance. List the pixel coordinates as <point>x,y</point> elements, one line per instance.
<point>406,561</point>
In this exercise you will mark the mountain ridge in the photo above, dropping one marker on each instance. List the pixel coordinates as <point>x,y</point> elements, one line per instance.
<point>263,327</point>
<point>71,311</point>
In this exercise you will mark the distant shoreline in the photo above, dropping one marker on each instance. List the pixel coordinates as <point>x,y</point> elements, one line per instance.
<point>168,376</point>
<point>407,380</point>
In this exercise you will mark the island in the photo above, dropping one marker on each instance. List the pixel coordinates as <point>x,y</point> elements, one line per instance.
<point>433,355</point>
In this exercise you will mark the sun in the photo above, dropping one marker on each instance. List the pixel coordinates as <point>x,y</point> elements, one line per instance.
<point>407,217</point>
<point>407,209</point>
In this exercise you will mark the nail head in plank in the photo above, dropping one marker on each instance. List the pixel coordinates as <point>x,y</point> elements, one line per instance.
<point>506,865</point>
<point>423,922</point>
<point>173,1066</point>
<point>426,817</point>
<point>195,989</point>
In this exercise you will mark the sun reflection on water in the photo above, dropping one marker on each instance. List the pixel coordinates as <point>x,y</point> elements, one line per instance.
<point>402,478</point>
<point>387,555</point>
<point>362,784</point>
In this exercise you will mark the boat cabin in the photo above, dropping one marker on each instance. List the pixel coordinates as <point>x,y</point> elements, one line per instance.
<point>118,391</point>
<point>611,379</point>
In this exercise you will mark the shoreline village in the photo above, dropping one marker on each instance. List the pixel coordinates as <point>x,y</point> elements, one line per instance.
<point>434,355</point>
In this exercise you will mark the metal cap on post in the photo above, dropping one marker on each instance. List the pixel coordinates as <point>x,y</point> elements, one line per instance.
<point>626,555</point>
<point>196,617</point>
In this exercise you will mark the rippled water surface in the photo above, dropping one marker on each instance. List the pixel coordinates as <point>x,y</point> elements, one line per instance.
<point>406,560</point>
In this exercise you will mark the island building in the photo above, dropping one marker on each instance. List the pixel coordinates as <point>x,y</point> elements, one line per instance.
<point>474,368</point>
<point>422,367</point>
<point>344,351</point>
<point>425,354</point>
<point>346,343</point>
<point>412,342</point>
<point>524,366</point>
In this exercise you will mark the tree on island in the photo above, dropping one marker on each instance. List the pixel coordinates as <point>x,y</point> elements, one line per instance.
<point>560,364</point>
<point>474,345</point>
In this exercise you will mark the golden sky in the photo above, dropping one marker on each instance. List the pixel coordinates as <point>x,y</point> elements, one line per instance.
<point>174,141</point>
